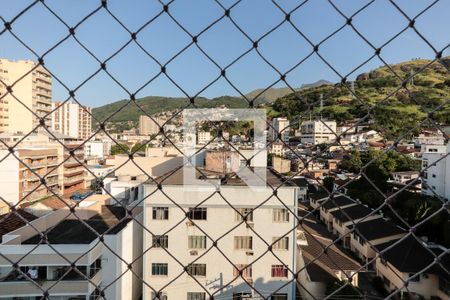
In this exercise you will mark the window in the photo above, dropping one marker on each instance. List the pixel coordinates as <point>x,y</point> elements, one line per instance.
<point>196,296</point>
<point>241,212</point>
<point>280,244</point>
<point>243,242</point>
<point>197,269</point>
<point>159,269</point>
<point>160,241</point>
<point>160,296</point>
<point>279,271</point>
<point>160,213</point>
<point>280,215</point>
<point>279,297</point>
<point>197,242</point>
<point>246,270</point>
<point>197,213</point>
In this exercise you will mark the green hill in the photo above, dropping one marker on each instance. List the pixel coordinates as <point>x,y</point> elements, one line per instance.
<point>395,111</point>
<point>273,94</point>
<point>155,104</point>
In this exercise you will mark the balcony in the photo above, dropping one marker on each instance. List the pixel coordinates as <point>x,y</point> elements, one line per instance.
<point>71,284</point>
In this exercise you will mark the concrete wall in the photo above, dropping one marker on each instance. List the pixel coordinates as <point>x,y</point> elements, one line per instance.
<point>127,244</point>
<point>153,166</point>
<point>9,174</point>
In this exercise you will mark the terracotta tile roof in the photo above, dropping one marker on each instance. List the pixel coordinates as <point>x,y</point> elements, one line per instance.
<point>52,202</point>
<point>11,221</point>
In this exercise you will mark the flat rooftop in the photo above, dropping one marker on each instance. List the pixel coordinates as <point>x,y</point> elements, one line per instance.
<point>76,232</point>
<point>176,178</point>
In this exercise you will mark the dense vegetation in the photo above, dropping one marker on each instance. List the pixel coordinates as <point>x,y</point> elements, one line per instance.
<point>397,110</point>
<point>411,207</point>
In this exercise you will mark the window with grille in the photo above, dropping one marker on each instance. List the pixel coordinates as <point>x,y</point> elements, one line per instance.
<point>246,270</point>
<point>279,271</point>
<point>197,242</point>
<point>197,269</point>
<point>280,215</point>
<point>160,269</point>
<point>160,241</point>
<point>280,244</point>
<point>242,212</point>
<point>160,213</point>
<point>196,296</point>
<point>197,213</point>
<point>243,243</point>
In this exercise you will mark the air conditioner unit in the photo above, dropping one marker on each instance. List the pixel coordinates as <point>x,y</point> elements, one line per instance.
<point>193,252</point>
<point>190,223</point>
<point>249,252</point>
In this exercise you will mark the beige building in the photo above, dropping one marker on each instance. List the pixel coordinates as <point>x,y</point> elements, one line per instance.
<point>414,261</point>
<point>34,90</point>
<point>72,119</point>
<point>19,183</point>
<point>149,127</point>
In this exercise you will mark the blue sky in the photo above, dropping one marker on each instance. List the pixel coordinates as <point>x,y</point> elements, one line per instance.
<point>284,47</point>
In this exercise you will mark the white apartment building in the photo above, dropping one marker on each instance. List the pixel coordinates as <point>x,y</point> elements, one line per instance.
<point>99,149</point>
<point>280,126</point>
<point>34,91</point>
<point>102,264</point>
<point>318,132</point>
<point>203,137</point>
<point>190,229</point>
<point>436,180</point>
<point>72,119</point>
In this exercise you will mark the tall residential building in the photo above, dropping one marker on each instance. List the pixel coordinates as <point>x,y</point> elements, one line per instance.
<point>436,179</point>
<point>280,126</point>
<point>72,119</point>
<point>188,231</point>
<point>34,91</point>
<point>318,132</point>
<point>149,127</point>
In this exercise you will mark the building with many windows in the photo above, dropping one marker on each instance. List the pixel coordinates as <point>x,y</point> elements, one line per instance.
<point>280,126</point>
<point>194,230</point>
<point>318,132</point>
<point>72,119</point>
<point>436,178</point>
<point>30,98</point>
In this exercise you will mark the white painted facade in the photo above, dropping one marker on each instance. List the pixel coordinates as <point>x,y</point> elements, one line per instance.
<point>280,125</point>
<point>318,132</point>
<point>220,218</point>
<point>99,149</point>
<point>436,179</point>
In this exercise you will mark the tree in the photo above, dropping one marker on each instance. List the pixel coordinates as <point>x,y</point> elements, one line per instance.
<point>352,163</point>
<point>119,149</point>
<point>347,292</point>
<point>138,147</point>
<point>328,183</point>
